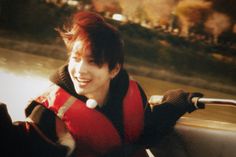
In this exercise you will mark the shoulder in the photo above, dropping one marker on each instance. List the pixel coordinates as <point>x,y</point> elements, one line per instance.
<point>141,91</point>
<point>121,83</point>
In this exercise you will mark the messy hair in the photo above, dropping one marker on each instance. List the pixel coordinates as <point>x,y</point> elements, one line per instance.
<point>95,34</point>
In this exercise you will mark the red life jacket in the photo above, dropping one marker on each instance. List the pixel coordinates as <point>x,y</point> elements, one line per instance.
<point>92,131</point>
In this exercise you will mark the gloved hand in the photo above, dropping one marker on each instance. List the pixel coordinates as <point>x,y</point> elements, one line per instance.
<point>6,128</point>
<point>183,99</point>
<point>5,119</point>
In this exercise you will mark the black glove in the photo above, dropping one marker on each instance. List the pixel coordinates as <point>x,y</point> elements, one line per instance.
<point>6,128</point>
<point>5,119</point>
<point>183,99</point>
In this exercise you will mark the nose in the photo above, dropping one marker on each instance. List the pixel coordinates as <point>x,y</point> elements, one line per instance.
<point>81,67</point>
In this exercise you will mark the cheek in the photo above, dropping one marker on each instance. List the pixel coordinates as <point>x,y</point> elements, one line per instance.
<point>101,75</point>
<point>71,69</point>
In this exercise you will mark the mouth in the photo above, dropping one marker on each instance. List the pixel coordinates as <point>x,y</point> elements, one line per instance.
<point>83,82</point>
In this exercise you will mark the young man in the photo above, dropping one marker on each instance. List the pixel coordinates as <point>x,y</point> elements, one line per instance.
<point>92,108</point>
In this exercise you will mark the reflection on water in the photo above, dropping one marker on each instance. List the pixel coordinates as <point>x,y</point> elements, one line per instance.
<point>22,77</point>
<point>17,90</point>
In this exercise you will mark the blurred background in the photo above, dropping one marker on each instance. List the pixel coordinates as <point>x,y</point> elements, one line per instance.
<point>189,44</point>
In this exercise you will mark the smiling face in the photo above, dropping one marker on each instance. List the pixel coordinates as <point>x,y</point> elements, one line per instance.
<point>89,79</point>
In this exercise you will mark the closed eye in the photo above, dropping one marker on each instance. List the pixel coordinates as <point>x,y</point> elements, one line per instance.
<point>75,58</point>
<point>91,61</point>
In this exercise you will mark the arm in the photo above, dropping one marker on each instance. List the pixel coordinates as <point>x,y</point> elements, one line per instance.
<point>160,119</point>
<point>24,139</point>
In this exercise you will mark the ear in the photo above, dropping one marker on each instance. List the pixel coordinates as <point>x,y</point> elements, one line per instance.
<point>115,71</point>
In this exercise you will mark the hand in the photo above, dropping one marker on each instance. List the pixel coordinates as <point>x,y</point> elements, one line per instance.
<point>5,119</point>
<point>183,99</point>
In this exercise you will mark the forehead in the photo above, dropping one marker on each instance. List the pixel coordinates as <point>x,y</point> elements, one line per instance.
<point>79,49</point>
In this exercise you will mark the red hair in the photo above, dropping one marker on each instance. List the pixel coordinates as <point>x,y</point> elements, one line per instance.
<point>96,35</point>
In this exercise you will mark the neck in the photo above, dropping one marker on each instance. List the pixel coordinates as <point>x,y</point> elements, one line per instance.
<point>100,96</point>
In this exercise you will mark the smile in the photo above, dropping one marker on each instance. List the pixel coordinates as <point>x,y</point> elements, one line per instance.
<point>83,82</point>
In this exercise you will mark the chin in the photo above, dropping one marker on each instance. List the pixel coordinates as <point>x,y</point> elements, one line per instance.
<point>80,91</point>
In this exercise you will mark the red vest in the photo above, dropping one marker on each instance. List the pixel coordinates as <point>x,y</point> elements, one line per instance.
<point>92,131</point>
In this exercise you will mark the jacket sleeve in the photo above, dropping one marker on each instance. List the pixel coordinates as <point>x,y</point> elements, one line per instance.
<point>159,121</point>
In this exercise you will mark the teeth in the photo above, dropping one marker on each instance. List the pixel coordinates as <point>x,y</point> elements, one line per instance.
<point>83,81</point>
